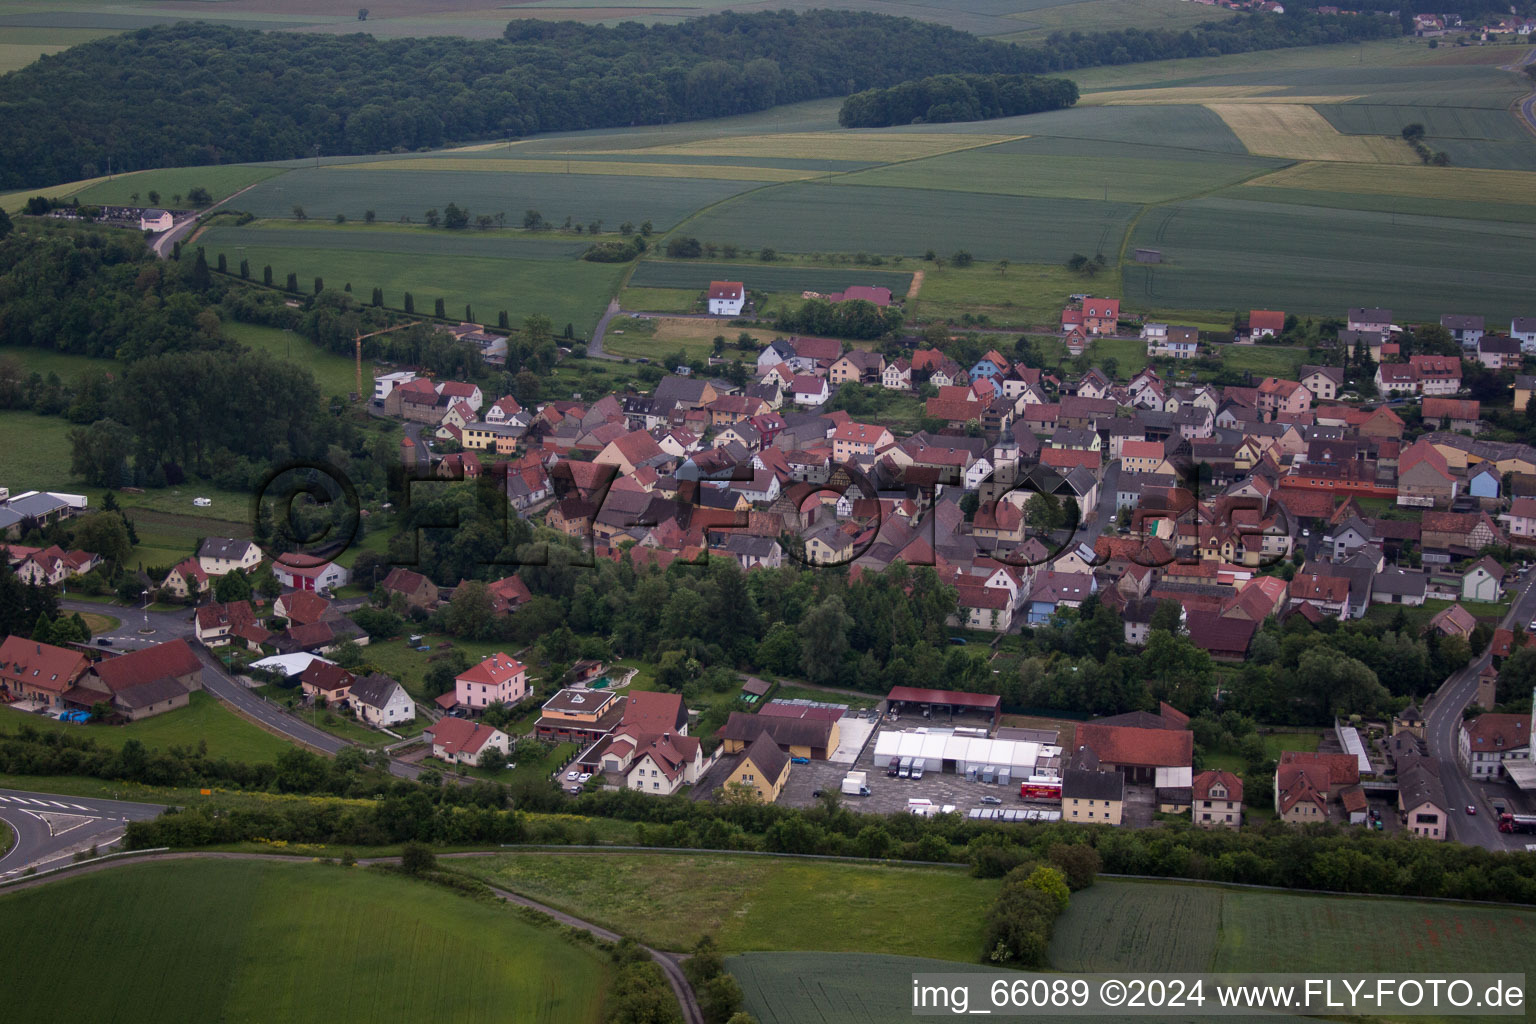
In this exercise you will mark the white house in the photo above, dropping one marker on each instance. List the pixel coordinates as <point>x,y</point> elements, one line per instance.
<point>220,556</point>
<point>809,391</point>
<point>726,298</point>
<point>155,220</point>
<point>381,702</point>
<point>1523,330</point>
<point>1487,741</point>
<point>461,742</point>
<point>306,572</point>
<point>664,764</point>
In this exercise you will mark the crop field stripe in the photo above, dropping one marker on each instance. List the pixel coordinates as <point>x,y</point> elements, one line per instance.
<point>764,277</point>
<point>885,148</point>
<point>1419,182</point>
<point>723,172</point>
<point>1299,132</point>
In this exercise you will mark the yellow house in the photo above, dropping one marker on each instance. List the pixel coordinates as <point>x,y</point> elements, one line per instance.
<point>1092,798</point>
<point>810,738</point>
<point>1523,387</point>
<point>763,767</point>
<point>184,572</point>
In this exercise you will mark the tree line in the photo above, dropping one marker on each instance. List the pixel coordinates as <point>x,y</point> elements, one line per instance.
<point>273,96</point>
<point>956,98</point>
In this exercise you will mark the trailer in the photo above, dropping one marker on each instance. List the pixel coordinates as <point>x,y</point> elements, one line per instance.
<point>1041,787</point>
<point>1517,823</point>
<point>922,808</point>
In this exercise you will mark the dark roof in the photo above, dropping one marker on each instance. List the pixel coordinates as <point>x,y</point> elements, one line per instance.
<point>142,695</point>
<point>786,732</point>
<point>223,547</point>
<point>1085,785</point>
<point>373,690</point>
<point>1220,635</point>
<point>765,753</point>
<point>957,698</point>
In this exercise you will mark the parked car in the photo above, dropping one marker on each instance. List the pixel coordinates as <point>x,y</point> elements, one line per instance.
<point>572,776</point>
<point>103,641</point>
<point>1471,809</point>
<point>815,794</point>
<point>424,647</point>
<point>991,800</point>
<point>799,760</point>
<point>584,776</point>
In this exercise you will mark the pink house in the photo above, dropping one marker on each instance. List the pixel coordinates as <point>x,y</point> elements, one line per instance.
<point>500,678</point>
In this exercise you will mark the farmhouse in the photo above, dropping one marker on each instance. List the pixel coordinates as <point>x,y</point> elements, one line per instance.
<point>35,671</point>
<point>326,679</point>
<point>811,738</point>
<point>156,220</point>
<point>141,683</point>
<point>415,589</point>
<point>1157,756</point>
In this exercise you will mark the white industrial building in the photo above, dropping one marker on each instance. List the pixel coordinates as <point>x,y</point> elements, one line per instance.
<point>940,750</point>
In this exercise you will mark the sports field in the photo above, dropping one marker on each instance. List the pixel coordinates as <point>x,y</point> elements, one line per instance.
<point>252,941</point>
<point>1147,926</point>
<point>205,718</point>
<point>758,903</point>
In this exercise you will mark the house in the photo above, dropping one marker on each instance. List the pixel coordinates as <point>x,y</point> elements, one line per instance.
<point>983,608</point>
<point>1520,520</point>
<point>1424,478</point>
<point>1452,413</point>
<point>1396,379</point>
<point>1323,382</point>
<point>1466,330</point>
<point>1101,316</point>
<point>155,220</point>
<point>726,298</point>
<point>763,767</point>
<point>897,376</point>
<point>1371,321</point>
<point>808,391</point>
<point>1092,797</point>
<point>1278,398</point>
<point>1054,590</point>
<point>186,579</point>
<point>851,440</point>
<point>857,366</point>
<point>1227,637</point>
<point>663,764</point>
<point>629,452</point>
<point>499,679</point>
<point>579,716</point>
<point>1173,342</point>
<point>1484,482</point>
<point>1523,330</point>
<point>508,594</point>
<point>53,565</point>
<point>387,382</point>
<point>1216,800</point>
<point>1395,585</point>
<point>1454,621</point>
<point>1437,375</point>
<point>381,701</point>
<point>1484,743</point>
<point>326,679</point>
<point>309,572</point>
<point>301,608</point>
<point>1421,798</point>
<point>219,556</point>
<point>1499,352</point>
<point>458,741</point>
<point>1481,582</point>
<point>213,624</point>
<point>1305,783</point>
<point>413,587</point>
<point>36,671</point>
<point>142,683</point>
<point>1265,323</point>
<point>1161,756</point>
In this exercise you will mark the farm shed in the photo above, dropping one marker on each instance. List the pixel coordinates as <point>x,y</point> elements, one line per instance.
<point>950,701</point>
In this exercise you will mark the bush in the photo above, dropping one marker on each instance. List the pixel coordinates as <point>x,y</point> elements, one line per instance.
<point>1079,863</point>
<point>417,858</point>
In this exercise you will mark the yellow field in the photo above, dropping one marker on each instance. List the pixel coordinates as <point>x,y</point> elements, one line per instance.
<point>1189,94</point>
<point>10,202</point>
<point>1301,133</point>
<point>1414,182</point>
<point>625,169</point>
<point>830,146</point>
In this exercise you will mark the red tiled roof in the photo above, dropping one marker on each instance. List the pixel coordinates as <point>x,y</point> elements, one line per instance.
<point>1201,787</point>
<point>168,660</point>
<point>38,665</point>
<point>1337,769</point>
<point>1146,748</point>
<point>918,695</point>
<point>455,735</point>
<point>1266,319</point>
<point>727,290</point>
<point>493,671</point>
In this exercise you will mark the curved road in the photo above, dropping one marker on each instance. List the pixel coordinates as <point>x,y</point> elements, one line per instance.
<point>49,827</point>
<point>1526,107</point>
<point>687,1000</point>
<point>165,244</point>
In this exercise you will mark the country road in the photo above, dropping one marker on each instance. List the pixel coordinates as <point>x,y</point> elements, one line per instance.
<point>687,1001</point>
<point>165,243</point>
<point>1525,108</point>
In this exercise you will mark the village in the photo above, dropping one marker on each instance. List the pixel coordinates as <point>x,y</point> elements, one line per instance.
<point>1035,492</point>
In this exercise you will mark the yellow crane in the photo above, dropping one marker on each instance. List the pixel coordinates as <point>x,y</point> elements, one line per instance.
<point>358,343</point>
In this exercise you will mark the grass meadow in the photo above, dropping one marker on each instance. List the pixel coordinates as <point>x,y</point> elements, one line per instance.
<point>259,941</point>
<point>758,903</point>
<point>205,718</point>
<point>764,277</point>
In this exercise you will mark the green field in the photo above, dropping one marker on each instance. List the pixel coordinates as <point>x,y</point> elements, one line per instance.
<point>336,374</point>
<point>1155,927</point>
<point>564,289</point>
<point>764,277</point>
<point>758,903</point>
<point>662,300</point>
<point>204,719</point>
<point>259,941</point>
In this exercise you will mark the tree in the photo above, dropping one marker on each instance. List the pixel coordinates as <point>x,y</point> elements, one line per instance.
<point>362,14</point>
<point>378,297</point>
<point>455,218</point>
<point>199,196</point>
<point>154,198</point>
<point>962,258</point>
<point>319,285</point>
<point>293,282</point>
<point>824,640</point>
<point>417,858</point>
<point>533,220</point>
<point>410,303</point>
<point>1413,132</point>
<point>684,248</point>
<point>470,612</point>
<point>266,275</point>
<point>105,534</point>
<point>440,310</point>
<point>432,218</point>
<point>99,453</point>
<point>299,214</point>
<point>720,997</point>
<point>232,586</point>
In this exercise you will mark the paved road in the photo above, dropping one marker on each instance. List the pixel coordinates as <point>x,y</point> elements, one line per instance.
<point>50,827</point>
<point>1526,107</point>
<point>165,244</point>
<point>595,346</point>
<point>1442,718</point>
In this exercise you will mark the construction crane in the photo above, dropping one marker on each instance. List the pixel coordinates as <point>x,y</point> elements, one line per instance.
<point>358,343</point>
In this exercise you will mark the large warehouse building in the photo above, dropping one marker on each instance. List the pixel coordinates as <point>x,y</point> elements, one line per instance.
<point>940,750</point>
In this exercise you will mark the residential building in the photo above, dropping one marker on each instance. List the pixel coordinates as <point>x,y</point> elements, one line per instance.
<point>186,579</point>
<point>813,738</point>
<point>1092,797</point>
<point>763,767</point>
<point>30,670</point>
<point>415,589</point>
<point>458,741</point>
<point>726,298</point>
<point>1484,743</point>
<point>579,716</point>
<point>1466,330</point>
<point>1101,316</point>
<point>1371,321</point>
<point>1421,797</point>
<point>141,683</point>
<point>308,572</point>
<point>155,220</point>
<point>1499,352</point>
<point>1523,330</point>
<point>1265,323</point>
<point>218,556</point>
<point>386,383</point>
<point>499,679</point>
<point>325,679</point>
<point>381,701</point>
<point>1216,800</point>
<point>663,764</point>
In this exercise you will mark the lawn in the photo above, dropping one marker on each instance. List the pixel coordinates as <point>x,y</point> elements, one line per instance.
<point>336,374</point>
<point>258,941</point>
<point>758,903</point>
<point>651,338</point>
<point>204,719</point>
<point>764,277</point>
<point>662,300</point>
<point>1263,360</point>
<point>1022,295</point>
<point>221,181</point>
<point>1157,927</point>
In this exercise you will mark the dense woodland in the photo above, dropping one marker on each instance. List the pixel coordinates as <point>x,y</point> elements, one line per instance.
<point>245,96</point>
<point>956,98</point>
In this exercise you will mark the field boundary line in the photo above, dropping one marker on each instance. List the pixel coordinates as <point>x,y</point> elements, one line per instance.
<point>1181,880</point>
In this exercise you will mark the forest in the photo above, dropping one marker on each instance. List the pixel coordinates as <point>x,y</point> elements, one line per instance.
<point>956,98</point>
<point>242,95</point>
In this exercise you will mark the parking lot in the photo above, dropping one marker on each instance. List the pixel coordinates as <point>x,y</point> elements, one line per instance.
<point>888,795</point>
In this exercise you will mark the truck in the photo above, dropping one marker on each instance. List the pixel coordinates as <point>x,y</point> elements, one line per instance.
<point>854,784</point>
<point>1517,823</point>
<point>922,808</point>
<point>906,768</point>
